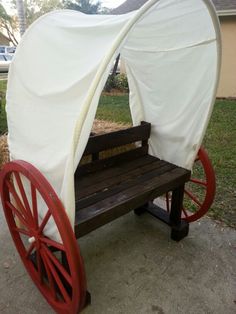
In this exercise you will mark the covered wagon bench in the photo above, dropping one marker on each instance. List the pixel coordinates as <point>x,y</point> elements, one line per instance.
<point>172,55</point>
<point>108,188</point>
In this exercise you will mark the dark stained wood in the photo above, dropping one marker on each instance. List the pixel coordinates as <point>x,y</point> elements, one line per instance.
<point>110,140</point>
<point>116,174</point>
<point>95,156</point>
<point>108,188</point>
<point>179,227</point>
<point>172,178</point>
<point>104,211</point>
<point>155,211</point>
<point>178,231</point>
<point>109,162</point>
<point>145,141</point>
<point>176,205</point>
<point>120,183</point>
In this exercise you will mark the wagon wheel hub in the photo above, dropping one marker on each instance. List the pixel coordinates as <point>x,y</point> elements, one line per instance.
<point>35,240</point>
<point>32,240</point>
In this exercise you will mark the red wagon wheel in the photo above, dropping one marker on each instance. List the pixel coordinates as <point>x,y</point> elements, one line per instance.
<point>56,267</point>
<point>200,190</point>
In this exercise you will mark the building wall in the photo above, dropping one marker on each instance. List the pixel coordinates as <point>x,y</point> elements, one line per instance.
<point>227,86</point>
<point>3,40</point>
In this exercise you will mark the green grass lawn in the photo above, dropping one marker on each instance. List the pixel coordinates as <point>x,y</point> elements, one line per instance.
<point>3,122</point>
<point>220,142</point>
<point>114,108</point>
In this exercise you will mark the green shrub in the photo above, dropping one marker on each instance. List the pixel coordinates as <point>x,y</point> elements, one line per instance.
<point>121,82</point>
<point>110,83</point>
<point>118,82</point>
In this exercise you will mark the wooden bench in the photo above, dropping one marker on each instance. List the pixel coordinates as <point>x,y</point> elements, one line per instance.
<point>108,188</point>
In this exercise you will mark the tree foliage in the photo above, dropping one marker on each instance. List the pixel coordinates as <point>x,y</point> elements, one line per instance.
<point>36,8</point>
<point>85,6</point>
<point>8,25</point>
<point>33,9</point>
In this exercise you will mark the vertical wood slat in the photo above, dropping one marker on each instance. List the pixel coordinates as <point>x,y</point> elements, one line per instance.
<point>95,156</point>
<point>145,141</point>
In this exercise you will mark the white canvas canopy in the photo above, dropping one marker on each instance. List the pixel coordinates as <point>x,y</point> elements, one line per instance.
<point>171,50</point>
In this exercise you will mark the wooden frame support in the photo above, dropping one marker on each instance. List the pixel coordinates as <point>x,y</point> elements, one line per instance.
<point>179,227</point>
<point>88,299</point>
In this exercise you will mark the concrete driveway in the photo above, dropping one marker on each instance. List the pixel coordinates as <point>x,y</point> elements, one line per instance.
<point>134,268</point>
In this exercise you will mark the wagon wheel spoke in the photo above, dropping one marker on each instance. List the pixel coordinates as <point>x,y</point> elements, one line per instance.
<point>22,192</point>
<point>49,276</point>
<point>200,190</point>
<point>193,198</point>
<point>39,266</point>
<point>18,214</point>
<point>29,250</point>
<point>44,221</point>
<point>17,199</point>
<point>34,205</point>
<point>56,277</point>
<point>185,212</point>
<point>58,265</point>
<point>23,231</point>
<point>197,181</point>
<point>52,243</point>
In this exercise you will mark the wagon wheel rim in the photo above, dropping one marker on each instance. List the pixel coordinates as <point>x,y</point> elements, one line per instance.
<point>55,267</point>
<point>207,184</point>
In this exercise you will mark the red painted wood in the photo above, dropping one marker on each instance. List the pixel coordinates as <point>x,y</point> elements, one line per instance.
<point>193,197</point>
<point>42,257</point>
<point>210,187</point>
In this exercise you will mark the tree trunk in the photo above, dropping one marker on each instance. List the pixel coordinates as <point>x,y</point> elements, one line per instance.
<point>21,16</point>
<point>113,74</point>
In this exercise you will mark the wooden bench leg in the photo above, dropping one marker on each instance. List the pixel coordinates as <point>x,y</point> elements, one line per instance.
<point>88,299</point>
<point>179,227</point>
<point>141,210</point>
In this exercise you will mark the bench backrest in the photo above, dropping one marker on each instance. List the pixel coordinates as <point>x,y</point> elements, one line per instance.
<point>98,145</point>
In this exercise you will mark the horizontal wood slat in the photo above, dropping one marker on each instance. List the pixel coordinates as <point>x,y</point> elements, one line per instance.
<point>110,140</point>
<point>109,173</point>
<point>102,164</point>
<point>120,183</point>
